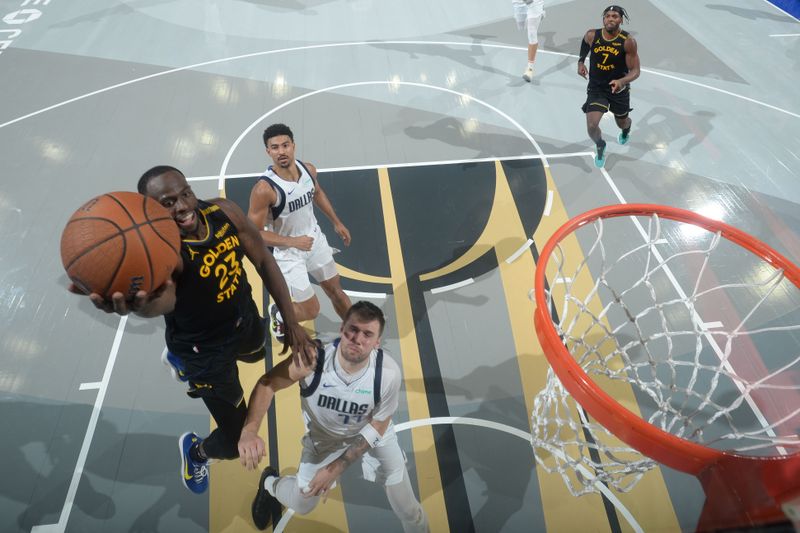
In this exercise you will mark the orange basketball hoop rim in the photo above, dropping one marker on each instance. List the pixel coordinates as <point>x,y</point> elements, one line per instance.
<point>740,489</point>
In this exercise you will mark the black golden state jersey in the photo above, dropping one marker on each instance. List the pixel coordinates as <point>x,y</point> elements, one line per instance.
<point>212,292</point>
<point>607,59</point>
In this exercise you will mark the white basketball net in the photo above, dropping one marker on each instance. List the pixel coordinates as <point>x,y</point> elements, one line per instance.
<point>694,332</point>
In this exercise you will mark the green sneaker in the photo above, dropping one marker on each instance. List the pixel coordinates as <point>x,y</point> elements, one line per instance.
<point>600,155</point>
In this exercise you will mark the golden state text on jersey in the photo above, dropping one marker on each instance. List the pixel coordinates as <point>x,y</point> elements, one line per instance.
<point>222,260</point>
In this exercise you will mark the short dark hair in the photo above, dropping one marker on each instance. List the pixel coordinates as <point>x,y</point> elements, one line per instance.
<point>366,312</point>
<point>275,130</point>
<point>152,173</point>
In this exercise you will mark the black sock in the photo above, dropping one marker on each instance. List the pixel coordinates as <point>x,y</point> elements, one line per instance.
<point>600,144</point>
<point>626,131</point>
<point>197,454</point>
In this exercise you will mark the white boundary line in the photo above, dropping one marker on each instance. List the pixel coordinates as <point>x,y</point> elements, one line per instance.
<point>548,206</point>
<point>488,424</point>
<point>784,35</point>
<point>520,250</point>
<point>90,386</point>
<point>388,83</point>
<point>453,286</point>
<point>555,155</point>
<point>356,43</point>
<point>373,295</point>
<point>61,525</point>
<point>782,11</point>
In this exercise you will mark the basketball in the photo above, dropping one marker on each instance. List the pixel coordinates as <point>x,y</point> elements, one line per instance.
<point>120,242</point>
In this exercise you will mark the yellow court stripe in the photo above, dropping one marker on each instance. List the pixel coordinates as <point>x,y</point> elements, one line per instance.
<point>429,479</point>
<point>649,501</point>
<point>359,276</point>
<point>232,488</point>
<point>562,511</point>
<point>290,430</point>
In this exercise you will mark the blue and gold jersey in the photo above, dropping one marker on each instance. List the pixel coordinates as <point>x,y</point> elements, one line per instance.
<point>212,292</point>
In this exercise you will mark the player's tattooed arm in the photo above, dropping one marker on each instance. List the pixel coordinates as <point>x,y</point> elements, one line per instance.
<point>325,477</point>
<point>369,436</point>
<point>353,452</point>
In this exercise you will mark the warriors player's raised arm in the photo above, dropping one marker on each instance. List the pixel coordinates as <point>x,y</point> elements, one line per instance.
<point>283,375</point>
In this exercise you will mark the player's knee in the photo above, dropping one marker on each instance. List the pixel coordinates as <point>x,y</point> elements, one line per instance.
<point>411,514</point>
<point>303,505</point>
<point>533,34</point>
<point>404,504</point>
<point>304,508</point>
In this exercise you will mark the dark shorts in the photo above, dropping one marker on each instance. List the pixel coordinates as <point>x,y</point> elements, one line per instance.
<point>603,101</point>
<point>211,366</point>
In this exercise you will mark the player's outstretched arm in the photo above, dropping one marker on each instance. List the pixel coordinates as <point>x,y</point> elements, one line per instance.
<point>369,436</point>
<point>296,337</point>
<point>283,375</point>
<point>322,201</point>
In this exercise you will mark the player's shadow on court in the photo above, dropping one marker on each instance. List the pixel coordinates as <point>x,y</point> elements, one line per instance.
<point>662,124</point>
<point>103,15</point>
<point>457,132</point>
<point>40,450</point>
<point>470,57</point>
<point>304,7</point>
<point>502,463</point>
<point>487,393</point>
<point>565,64</point>
<point>750,14</point>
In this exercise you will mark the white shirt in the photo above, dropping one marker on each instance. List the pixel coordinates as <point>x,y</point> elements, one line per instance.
<point>296,204</point>
<point>336,409</point>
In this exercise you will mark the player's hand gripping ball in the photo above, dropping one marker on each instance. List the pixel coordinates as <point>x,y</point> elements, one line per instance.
<point>120,242</point>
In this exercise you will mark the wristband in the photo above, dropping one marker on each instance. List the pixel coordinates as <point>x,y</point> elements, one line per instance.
<point>371,435</point>
<point>585,47</point>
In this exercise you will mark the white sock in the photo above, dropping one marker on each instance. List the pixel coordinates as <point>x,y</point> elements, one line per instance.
<point>269,484</point>
<point>530,65</point>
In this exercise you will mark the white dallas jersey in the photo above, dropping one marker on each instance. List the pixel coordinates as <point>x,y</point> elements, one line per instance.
<point>293,212</point>
<point>336,410</point>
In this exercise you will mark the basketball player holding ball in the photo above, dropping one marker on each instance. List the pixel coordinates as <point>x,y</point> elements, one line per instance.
<point>211,318</point>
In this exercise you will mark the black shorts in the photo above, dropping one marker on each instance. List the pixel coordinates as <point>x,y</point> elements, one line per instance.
<point>604,100</point>
<point>211,366</point>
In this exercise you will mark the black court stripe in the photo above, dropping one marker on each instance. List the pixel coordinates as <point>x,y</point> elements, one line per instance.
<point>454,490</point>
<point>272,417</point>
